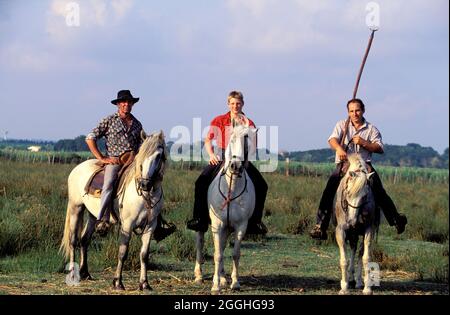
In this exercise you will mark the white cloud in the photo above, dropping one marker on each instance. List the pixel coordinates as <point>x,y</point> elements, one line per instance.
<point>121,7</point>
<point>265,26</point>
<point>21,57</point>
<point>93,14</point>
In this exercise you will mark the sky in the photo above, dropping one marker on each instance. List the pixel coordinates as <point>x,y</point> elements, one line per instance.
<point>296,62</point>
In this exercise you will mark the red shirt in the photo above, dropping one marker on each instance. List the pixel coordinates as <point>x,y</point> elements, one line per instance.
<point>220,129</point>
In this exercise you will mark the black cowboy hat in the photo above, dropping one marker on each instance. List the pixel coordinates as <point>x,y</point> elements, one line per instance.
<point>125,95</point>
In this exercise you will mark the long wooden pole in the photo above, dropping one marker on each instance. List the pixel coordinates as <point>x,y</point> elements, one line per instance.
<point>358,79</point>
<point>363,63</point>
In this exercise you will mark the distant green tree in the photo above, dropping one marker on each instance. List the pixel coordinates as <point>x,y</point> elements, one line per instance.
<point>412,154</point>
<point>76,145</point>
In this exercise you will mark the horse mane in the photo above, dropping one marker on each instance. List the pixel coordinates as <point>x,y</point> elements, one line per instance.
<point>240,130</point>
<point>358,166</point>
<point>147,148</point>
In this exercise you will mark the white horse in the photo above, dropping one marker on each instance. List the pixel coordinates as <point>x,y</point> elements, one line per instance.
<point>231,202</point>
<point>138,202</point>
<point>356,215</point>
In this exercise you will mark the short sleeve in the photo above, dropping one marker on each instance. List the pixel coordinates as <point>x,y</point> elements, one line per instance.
<point>337,132</point>
<point>214,129</point>
<point>375,137</point>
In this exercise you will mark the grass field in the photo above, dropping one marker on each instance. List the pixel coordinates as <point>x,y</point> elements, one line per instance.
<point>32,209</point>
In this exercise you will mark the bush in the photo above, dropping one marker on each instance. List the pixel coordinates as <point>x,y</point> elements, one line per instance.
<point>181,245</point>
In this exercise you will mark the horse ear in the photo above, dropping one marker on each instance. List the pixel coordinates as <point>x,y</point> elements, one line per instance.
<point>161,134</point>
<point>370,175</point>
<point>246,121</point>
<point>143,135</point>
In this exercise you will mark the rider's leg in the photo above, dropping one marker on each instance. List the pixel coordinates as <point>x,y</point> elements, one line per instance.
<point>111,171</point>
<point>255,225</point>
<point>201,218</point>
<point>326,205</point>
<point>385,202</point>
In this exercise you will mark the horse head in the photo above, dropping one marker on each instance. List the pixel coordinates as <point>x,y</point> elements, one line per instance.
<point>241,146</point>
<point>356,191</point>
<point>151,161</point>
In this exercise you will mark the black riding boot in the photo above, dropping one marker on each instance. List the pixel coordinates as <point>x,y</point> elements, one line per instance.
<point>163,229</point>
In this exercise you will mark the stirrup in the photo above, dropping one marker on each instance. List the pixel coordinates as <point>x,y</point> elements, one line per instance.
<point>102,227</point>
<point>161,232</point>
<point>196,225</point>
<point>318,234</point>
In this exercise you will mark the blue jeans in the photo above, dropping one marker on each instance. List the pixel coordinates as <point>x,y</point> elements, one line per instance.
<point>111,172</point>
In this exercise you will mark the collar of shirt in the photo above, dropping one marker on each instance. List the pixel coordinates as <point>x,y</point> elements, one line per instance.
<point>363,126</point>
<point>123,124</point>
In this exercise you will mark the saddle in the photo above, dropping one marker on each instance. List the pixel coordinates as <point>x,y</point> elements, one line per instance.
<point>95,183</point>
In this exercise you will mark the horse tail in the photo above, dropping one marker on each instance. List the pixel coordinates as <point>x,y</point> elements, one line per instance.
<point>65,242</point>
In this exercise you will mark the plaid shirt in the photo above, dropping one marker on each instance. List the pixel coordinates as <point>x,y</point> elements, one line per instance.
<point>119,138</point>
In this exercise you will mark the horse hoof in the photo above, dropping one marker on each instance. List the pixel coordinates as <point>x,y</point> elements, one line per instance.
<point>235,286</point>
<point>367,292</point>
<point>86,276</point>
<point>118,285</point>
<point>215,291</point>
<point>198,280</point>
<point>343,292</point>
<point>145,286</point>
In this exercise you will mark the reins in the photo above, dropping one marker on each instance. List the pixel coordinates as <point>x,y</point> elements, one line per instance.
<point>142,189</point>
<point>228,199</point>
<point>344,202</point>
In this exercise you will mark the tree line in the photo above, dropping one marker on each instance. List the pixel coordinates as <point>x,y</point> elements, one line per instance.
<point>410,155</point>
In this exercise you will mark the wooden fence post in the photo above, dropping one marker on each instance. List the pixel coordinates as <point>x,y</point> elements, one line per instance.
<point>287,166</point>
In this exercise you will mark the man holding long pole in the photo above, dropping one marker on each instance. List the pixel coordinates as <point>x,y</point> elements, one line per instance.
<point>366,139</point>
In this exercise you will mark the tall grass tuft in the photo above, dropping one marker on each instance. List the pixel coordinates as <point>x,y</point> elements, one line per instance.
<point>181,245</point>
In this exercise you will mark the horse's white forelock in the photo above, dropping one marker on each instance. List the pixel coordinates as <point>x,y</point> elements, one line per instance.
<point>147,148</point>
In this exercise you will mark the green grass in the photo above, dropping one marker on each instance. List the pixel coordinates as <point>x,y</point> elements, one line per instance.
<point>278,264</point>
<point>33,201</point>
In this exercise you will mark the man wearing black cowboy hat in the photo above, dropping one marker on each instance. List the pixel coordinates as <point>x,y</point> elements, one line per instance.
<point>122,132</point>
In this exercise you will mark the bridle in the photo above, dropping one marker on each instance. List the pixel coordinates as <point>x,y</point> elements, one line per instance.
<point>344,202</point>
<point>146,188</point>
<point>239,173</point>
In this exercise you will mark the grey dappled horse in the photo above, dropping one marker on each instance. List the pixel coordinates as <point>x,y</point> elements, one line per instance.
<point>356,215</point>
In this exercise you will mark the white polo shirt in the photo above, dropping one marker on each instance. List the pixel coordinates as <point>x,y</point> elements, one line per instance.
<point>367,131</point>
